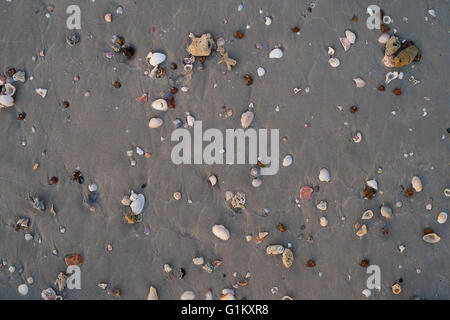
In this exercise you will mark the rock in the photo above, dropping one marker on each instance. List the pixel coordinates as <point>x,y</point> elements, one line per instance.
<point>334,62</point>
<point>73,260</point>
<point>323,221</point>
<point>351,37</point>
<point>386,212</point>
<point>23,289</point>
<point>384,38</point>
<point>187,295</point>
<point>416,184</point>
<point>246,119</point>
<point>276,53</point>
<point>221,232</point>
<point>160,105</point>
<point>324,175</point>
<point>198,261</point>
<point>392,45</point>
<point>167,268</point>
<point>202,46</point>
<point>287,258</point>
<point>322,205</point>
<point>152,294</point>
<point>406,56</point>
<point>367,215</point>
<point>108,17</point>
<point>442,217</point>
<point>275,249</point>
<point>431,238</point>
<point>155,123</point>
<point>288,160</point>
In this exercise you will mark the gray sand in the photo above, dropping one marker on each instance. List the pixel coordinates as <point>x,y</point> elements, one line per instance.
<point>98,136</point>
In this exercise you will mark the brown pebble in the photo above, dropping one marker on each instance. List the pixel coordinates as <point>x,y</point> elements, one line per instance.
<point>385,231</point>
<point>260,164</point>
<point>128,52</point>
<point>316,188</point>
<point>116,292</point>
<point>53,180</point>
<point>238,34</point>
<point>248,79</point>
<point>284,139</point>
<point>173,90</point>
<point>427,231</point>
<point>354,18</point>
<point>295,29</point>
<point>353,109</point>
<point>281,227</point>
<point>368,193</point>
<point>66,104</point>
<point>381,88</point>
<point>173,66</point>
<point>120,41</point>
<point>310,264</point>
<point>11,72</point>
<point>384,28</point>
<point>21,116</point>
<point>397,92</point>
<point>417,58</point>
<point>171,102</point>
<point>160,72</point>
<point>75,175</point>
<point>117,84</point>
<point>309,9</point>
<point>202,60</point>
<point>364,263</point>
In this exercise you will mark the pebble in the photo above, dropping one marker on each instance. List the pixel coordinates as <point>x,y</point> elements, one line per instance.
<point>93,187</point>
<point>28,237</point>
<point>221,232</point>
<point>384,38</point>
<point>167,268</point>
<point>212,180</point>
<point>416,184</point>
<point>287,258</point>
<point>12,269</point>
<point>324,175</point>
<point>429,206</point>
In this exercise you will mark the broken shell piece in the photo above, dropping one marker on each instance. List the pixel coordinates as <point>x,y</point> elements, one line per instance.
<point>19,76</point>
<point>383,38</point>
<point>187,295</point>
<point>334,62</point>
<point>156,58</point>
<point>357,137</point>
<point>221,232</point>
<point>137,202</point>
<point>431,238</point>
<point>10,90</point>
<point>155,123</point>
<point>406,56</point>
<point>447,192</point>
<point>324,175</point>
<point>287,258</point>
<point>372,184</point>
<point>160,105</point>
<point>416,184</point>
<point>212,180</point>
<point>351,37</point>
<point>396,288</point>
<point>392,45</point>
<point>287,161</point>
<point>126,201</point>
<point>152,294</point>
<point>261,72</point>
<point>330,51</point>
<point>388,61</point>
<point>359,83</point>
<point>275,249</point>
<point>322,205</point>
<point>276,53</point>
<point>247,119</point>
<point>267,21</point>
<point>391,76</point>
<point>362,231</point>
<point>386,212</point>
<point>190,120</point>
<point>208,295</point>
<point>200,47</point>
<point>367,215</point>
<point>367,293</point>
<point>61,282</point>
<point>442,217</point>
<point>260,237</point>
<point>198,261</point>
<point>41,92</point>
<point>323,221</point>
<point>6,101</point>
<point>345,43</point>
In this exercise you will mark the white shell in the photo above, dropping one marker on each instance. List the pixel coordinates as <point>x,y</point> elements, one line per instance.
<point>276,53</point>
<point>19,76</point>
<point>212,180</point>
<point>442,217</point>
<point>267,21</point>
<point>330,51</point>
<point>152,294</point>
<point>256,183</point>
<point>137,202</point>
<point>324,175</point>
<point>362,231</point>
<point>41,92</point>
<point>190,120</point>
<point>23,289</point>
<point>367,215</point>
<point>188,295</point>
<point>322,205</point>
<point>155,123</point>
<point>334,62</point>
<point>92,187</point>
<point>345,43</point>
<point>391,76</point>
<point>351,37</point>
<point>275,249</point>
<point>431,238</point>
<point>261,72</point>
<point>156,58</point>
<point>287,161</point>
<point>323,221</point>
<point>359,83</point>
<point>10,89</point>
<point>372,184</point>
<point>6,101</point>
<point>386,212</point>
<point>357,137</point>
<point>247,119</point>
<point>221,232</point>
<point>416,184</point>
<point>160,105</point>
<point>198,261</point>
<point>384,38</point>
<point>367,293</point>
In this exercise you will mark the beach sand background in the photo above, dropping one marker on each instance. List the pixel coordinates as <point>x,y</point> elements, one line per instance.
<point>96,132</point>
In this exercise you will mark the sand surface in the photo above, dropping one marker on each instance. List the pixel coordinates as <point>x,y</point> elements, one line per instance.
<point>95,133</point>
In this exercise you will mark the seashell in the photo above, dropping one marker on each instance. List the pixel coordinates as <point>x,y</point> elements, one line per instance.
<point>256,183</point>
<point>160,105</point>
<point>208,295</point>
<point>155,123</point>
<point>391,76</point>
<point>406,56</point>
<point>261,72</point>
<point>324,175</point>
<point>372,184</point>
<point>10,90</point>
<point>276,53</point>
<point>334,62</point>
<point>416,184</point>
<point>384,38</point>
<point>41,92</point>
<point>6,101</point>
<point>323,221</point>
<point>212,180</point>
<point>287,258</point>
<point>359,83</point>
<point>152,294</point>
<point>126,201</point>
<point>386,212</point>
<point>201,46</point>
<point>167,268</point>
<point>227,296</point>
<point>330,51</point>
<point>188,67</point>
<point>275,249</point>
<point>288,160</point>
<point>431,238</point>
<point>19,76</point>
<point>447,192</point>
<point>198,261</point>
<point>190,120</point>
<point>367,215</point>
<point>392,45</point>
<point>442,217</point>
<point>23,289</point>
<point>187,295</point>
<point>345,43</point>
<point>221,232</point>
<point>387,19</point>
<point>247,119</point>
<point>362,231</point>
<point>322,205</point>
<point>357,137</point>
<point>396,288</point>
<point>367,293</point>
<point>388,61</point>
<point>137,202</point>
<point>93,187</point>
<point>351,36</point>
<point>255,172</point>
<point>267,21</point>
<point>156,58</point>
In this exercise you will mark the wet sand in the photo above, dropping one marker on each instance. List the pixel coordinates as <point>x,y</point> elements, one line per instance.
<point>95,133</point>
